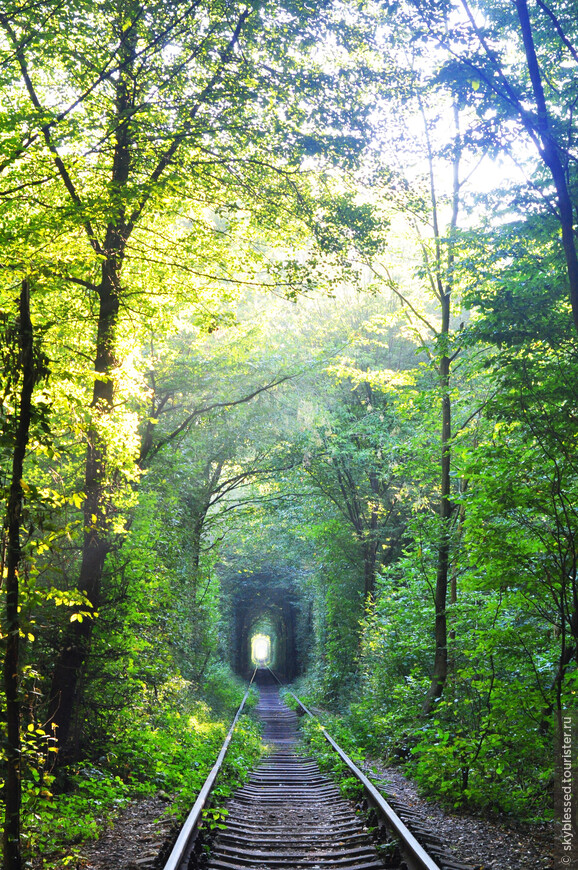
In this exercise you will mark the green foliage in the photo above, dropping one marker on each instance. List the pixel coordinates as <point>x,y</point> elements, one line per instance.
<point>224,692</point>
<point>490,756</point>
<point>193,162</point>
<point>55,824</point>
<point>172,756</point>
<point>487,745</point>
<point>327,758</point>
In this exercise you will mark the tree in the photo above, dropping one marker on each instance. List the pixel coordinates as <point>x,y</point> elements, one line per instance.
<point>427,201</point>
<point>160,107</point>
<point>519,66</point>
<point>532,365</point>
<point>351,460</point>
<point>24,367</point>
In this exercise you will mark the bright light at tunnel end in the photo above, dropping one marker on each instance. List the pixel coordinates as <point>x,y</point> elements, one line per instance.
<point>261,649</point>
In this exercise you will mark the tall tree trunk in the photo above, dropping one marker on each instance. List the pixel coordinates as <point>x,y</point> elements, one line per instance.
<point>371,545</point>
<point>13,789</point>
<point>444,292</point>
<point>440,668</point>
<point>97,541</point>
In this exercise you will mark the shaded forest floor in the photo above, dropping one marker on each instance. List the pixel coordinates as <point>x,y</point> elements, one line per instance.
<point>136,841</point>
<point>484,843</point>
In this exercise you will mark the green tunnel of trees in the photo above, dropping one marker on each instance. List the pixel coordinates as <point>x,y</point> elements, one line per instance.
<point>288,332</point>
<point>261,604</point>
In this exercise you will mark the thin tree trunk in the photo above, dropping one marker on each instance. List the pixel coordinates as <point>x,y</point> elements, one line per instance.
<point>13,789</point>
<point>370,564</point>
<point>444,288</point>
<point>440,668</point>
<point>371,545</point>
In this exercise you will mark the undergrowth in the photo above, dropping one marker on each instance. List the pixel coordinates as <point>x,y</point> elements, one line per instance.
<point>169,754</point>
<point>486,761</point>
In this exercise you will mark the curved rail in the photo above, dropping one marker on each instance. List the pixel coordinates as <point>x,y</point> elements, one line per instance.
<point>181,852</point>
<point>414,854</point>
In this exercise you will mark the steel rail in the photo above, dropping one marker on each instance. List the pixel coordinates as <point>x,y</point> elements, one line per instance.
<point>181,852</point>
<point>415,855</point>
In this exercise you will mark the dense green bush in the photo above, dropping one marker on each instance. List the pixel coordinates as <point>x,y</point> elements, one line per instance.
<point>489,743</point>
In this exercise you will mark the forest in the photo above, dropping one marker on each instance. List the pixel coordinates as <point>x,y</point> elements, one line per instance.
<point>289,343</point>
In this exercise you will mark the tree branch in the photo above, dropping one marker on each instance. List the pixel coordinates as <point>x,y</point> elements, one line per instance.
<point>59,163</point>
<point>206,409</point>
<point>558,28</point>
<point>170,152</point>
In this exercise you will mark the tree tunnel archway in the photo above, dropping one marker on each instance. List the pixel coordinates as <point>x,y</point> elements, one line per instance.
<point>269,605</point>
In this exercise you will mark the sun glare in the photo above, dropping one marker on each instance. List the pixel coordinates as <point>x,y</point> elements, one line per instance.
<point>261,649</point>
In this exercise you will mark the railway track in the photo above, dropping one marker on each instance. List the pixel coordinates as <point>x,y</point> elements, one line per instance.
<point>288,815</point>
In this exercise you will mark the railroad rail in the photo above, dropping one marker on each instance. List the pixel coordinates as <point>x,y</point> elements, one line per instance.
<point>289,816</point>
